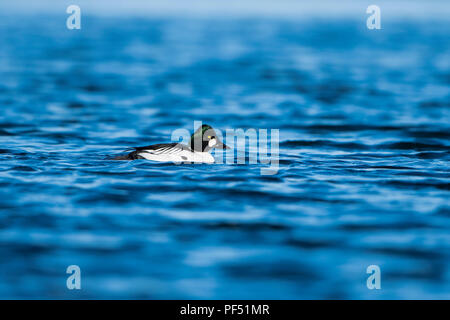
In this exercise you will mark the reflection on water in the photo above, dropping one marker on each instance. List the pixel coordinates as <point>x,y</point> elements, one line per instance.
<point>363,177</point>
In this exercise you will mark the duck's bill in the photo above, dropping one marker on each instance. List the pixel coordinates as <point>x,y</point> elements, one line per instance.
<point>221,145</point>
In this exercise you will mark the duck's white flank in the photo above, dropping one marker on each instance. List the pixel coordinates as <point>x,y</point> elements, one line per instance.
<point>177,155</point>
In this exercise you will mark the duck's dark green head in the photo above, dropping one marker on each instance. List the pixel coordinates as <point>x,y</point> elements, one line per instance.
<point>205,138</point>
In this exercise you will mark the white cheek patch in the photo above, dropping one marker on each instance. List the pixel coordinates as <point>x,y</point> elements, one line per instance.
<point>212,142</point>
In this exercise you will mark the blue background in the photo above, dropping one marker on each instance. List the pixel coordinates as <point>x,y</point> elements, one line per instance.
<point>364,153</point>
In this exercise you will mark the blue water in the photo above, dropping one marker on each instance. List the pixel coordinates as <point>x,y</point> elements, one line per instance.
<point>364,120</point>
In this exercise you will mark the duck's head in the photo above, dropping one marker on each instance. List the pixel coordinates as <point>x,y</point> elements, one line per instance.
<point>205,138</point>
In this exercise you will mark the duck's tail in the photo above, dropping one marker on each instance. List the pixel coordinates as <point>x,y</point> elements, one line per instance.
<point>130,156</point>
<point>121,157</point>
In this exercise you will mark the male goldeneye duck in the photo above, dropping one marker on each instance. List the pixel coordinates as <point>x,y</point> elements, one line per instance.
<point>202,142</point>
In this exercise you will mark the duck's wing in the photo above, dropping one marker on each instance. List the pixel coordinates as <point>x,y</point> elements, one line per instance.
<point>157,149</point>
<point>163,148</point>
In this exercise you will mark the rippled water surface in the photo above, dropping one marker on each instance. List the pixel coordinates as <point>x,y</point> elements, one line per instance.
<point>364,158</point>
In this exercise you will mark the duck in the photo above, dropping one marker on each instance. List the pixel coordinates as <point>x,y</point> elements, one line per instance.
<point>199,150</point>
